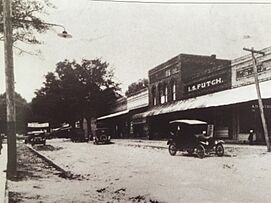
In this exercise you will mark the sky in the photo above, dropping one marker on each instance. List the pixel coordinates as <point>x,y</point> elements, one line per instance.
<point>133,38</point>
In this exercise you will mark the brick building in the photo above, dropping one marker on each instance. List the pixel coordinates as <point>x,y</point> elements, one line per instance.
<point>178,79</point>
<point>218,91</point>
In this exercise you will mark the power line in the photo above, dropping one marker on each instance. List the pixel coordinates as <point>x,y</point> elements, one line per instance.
<point>182,2</point>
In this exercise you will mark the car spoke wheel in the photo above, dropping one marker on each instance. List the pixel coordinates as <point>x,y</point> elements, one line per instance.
<point>172,149</point>
<point>200,151</point>
<point>219,150</point>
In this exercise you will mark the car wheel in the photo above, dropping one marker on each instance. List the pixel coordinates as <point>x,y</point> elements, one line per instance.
<point>190,151</point>
<point>172,149</point>
<point>200,151</point>
<point>219,149</point>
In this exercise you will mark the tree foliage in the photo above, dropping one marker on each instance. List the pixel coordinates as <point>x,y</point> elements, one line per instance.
<point>27,19</point>
<point>75,91</point>
<point>22,113</point>
<point>135,87</point>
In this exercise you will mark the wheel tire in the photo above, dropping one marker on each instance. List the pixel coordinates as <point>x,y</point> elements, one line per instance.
<point>172,149</point>
<point>200,151</point>
<point>219,150</point>
<point>190,151</point>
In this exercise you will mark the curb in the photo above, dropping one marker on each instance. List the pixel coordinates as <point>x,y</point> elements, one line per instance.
<point>49,161</point>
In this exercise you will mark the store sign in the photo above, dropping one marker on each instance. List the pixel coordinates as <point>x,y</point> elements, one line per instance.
<point>248,71</point>
<point>205,84</point>
<point>256,106</point>
<point>38,125</point>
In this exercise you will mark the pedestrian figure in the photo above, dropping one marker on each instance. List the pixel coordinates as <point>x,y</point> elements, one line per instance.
<point>250,137</point>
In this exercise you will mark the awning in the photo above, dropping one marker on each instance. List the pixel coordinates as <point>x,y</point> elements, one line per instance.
<point>222,98</point>
<point>113,115</point>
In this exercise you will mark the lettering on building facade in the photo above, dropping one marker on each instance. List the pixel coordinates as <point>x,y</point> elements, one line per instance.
<point>248,71</point>
<point>205,84</point>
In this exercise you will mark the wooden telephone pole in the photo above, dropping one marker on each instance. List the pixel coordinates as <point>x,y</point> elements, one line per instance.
<point>261,107</point>
<point>10,92</point>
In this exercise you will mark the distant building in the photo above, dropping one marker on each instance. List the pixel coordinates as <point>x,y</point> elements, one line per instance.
<point>121,122</point>
<point>246,114</point>
<point>116,119</point>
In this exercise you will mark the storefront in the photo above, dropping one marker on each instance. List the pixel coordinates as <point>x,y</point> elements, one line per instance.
<point>117,123</point>
<point>247,114</point>
<point>229,110</point>
<point>123,124</point>
<point>138,103</point>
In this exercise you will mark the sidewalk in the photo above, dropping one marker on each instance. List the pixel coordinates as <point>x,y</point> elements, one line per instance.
<point>3,166</point>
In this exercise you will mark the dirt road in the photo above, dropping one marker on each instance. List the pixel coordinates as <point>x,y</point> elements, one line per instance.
<point>117,173</point>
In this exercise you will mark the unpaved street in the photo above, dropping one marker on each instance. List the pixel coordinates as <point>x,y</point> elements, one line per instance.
<point>119,173</point>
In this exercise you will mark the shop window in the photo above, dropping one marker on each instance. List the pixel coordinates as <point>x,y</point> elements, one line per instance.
<point>246,120</point>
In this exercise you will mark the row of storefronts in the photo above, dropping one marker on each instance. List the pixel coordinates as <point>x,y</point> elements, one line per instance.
<point>219,91</point>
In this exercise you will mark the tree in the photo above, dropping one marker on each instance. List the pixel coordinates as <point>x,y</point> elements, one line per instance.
<point>22,113</point>
<point>27,21</point>
<point>135,87</point>
<point>75,91</point>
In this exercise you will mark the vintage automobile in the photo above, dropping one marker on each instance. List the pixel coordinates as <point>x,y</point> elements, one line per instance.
<point>37,133</point>
<point>36,137</point>
<point>61,132</point>
<point>101,136</point>
<point>78,135</point>
<point>191,136</point>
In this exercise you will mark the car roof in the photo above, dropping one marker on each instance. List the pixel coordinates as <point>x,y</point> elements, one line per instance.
<point>189,122</point>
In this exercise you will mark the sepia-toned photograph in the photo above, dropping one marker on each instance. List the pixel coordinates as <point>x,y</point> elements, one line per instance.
<point>135,101</point>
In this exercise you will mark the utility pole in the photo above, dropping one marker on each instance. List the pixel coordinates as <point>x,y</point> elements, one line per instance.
<point>10,92</point>
<point>261,108</point>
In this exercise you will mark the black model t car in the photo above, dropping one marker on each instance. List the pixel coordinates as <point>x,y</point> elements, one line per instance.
<point>37,133</point>
<point>101,136</point>
<point>191,136</point>
<point>36,137</point>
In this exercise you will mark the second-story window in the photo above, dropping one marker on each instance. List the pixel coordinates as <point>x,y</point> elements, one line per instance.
<point>168,73</point>
<point>174,91</point>
<point>154,96</point>
<point>166,94</point>
<point>163,92</point>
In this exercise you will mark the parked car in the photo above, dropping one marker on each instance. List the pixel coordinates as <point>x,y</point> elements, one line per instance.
<point>37,133</point>
<point>101,136</point>
<point>36,137</point>
<point>191,136</point>
<point>62,132</point>
<point>78,135</point>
